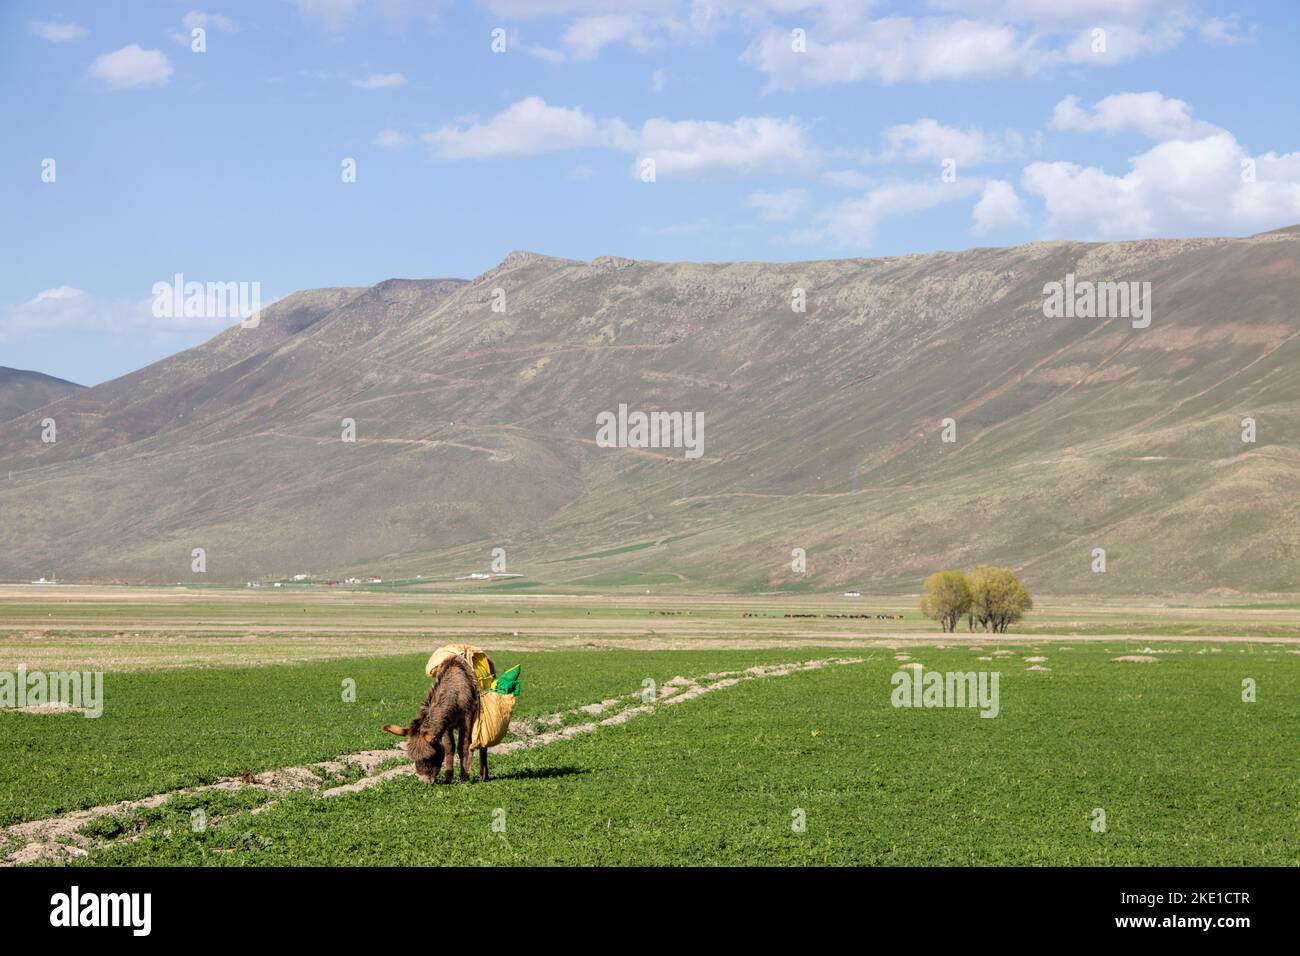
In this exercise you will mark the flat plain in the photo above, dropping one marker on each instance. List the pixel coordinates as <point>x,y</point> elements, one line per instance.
<point>652,729</point>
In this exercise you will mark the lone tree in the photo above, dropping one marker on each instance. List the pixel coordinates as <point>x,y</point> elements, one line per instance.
<point>946,598</point>
<point>997,599</point>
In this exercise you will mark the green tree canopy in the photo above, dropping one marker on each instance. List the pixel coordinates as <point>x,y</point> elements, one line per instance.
<point>997,599</point>
<point>945,598</point>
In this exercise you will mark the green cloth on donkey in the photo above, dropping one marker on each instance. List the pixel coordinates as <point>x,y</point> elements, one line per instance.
<point>508,683</point>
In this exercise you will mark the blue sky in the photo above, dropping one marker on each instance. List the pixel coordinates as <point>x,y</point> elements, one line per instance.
<point>225,165</point>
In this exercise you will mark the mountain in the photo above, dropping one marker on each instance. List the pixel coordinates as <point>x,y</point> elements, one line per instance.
<point>22,391</point>
<point>476,406</point>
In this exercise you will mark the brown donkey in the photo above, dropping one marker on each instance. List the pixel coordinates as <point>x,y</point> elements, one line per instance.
<point>450,706</point>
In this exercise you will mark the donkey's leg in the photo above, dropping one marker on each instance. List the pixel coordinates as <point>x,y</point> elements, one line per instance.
<point>482,764</point>
<point>466,736</point>
<point>449,755</point>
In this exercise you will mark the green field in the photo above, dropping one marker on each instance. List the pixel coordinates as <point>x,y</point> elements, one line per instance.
<point>163,730</point>
<point>1186,773</point>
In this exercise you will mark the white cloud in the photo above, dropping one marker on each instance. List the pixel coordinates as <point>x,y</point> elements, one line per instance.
<point>132,67</point>
<point>527,128</point>
<point>853,223</point>
<point>334,15</point>
<point>337,15</point>
<point>381,81</point>
<point>778,206</point>
<point>1226,31</point>
<point>1150,114</point>
<point>580,174</point>
<point>391,139</point>
<point>639,24</point>
<point>928,140</point>
<point>1177,187</point>
<point>375,81</point>
<point>67,310</point>
<point>547,54</point>
<point>1088,200</point>
<point>691,148</point>
<point>1273,200</point>
<point>1125,41</point>
<point>888,51</point>
<point>587,36</point>
<point>846,45</point>
<point>58,31</point>
<point>537,9</point>
<point>1046,11</point>
<point>659,80</point>
<point>196,19</point>
<point>58,294</point>
<point>747,146</point>
<point>999,208</point>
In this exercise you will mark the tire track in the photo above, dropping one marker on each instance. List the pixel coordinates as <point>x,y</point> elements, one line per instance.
<point>59,838</point>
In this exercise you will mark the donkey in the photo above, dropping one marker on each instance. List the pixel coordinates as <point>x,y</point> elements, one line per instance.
<point>450,706</point>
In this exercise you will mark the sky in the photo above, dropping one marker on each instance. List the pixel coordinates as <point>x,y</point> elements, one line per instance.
<point>670,130</point>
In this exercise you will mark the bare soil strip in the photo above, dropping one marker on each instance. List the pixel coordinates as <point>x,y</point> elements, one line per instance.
<point>166,649</point>
<point>58,839</point>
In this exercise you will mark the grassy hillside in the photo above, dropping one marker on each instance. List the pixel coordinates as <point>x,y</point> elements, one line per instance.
<point>22,391</point>
<point>476,429</point>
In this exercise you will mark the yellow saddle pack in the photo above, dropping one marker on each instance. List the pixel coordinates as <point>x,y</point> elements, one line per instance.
<point>497,697</point>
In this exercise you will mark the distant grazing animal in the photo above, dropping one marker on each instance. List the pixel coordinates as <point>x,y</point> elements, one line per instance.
<point>450,707</point>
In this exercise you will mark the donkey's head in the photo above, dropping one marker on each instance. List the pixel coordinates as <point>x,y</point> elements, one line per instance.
<point>423,741</point>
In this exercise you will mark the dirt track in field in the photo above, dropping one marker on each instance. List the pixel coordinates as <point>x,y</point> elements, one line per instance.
<point>59,839</point>
<point>138,629</point>
<point>164,650</point>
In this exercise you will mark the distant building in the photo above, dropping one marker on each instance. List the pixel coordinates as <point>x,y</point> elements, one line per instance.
<point>853,594</point>
<point>487,576</point>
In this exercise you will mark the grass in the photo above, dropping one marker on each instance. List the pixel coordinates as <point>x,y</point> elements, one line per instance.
<point>315,606</point>
<point>625,549</point>
<point>1186,773</point>
<point>790,587</point>
<point>190,812</point>
<point>624,578</point>
<point>164,730</point>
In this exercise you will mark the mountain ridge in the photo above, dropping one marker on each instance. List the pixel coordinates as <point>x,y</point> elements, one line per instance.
<point>22,390</point>
<point>476,428</point>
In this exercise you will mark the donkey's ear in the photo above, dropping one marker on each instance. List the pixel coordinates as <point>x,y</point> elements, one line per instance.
<point>394,729</point>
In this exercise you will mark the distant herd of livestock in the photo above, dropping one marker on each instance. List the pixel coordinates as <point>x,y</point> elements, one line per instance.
<point>865,617</point>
